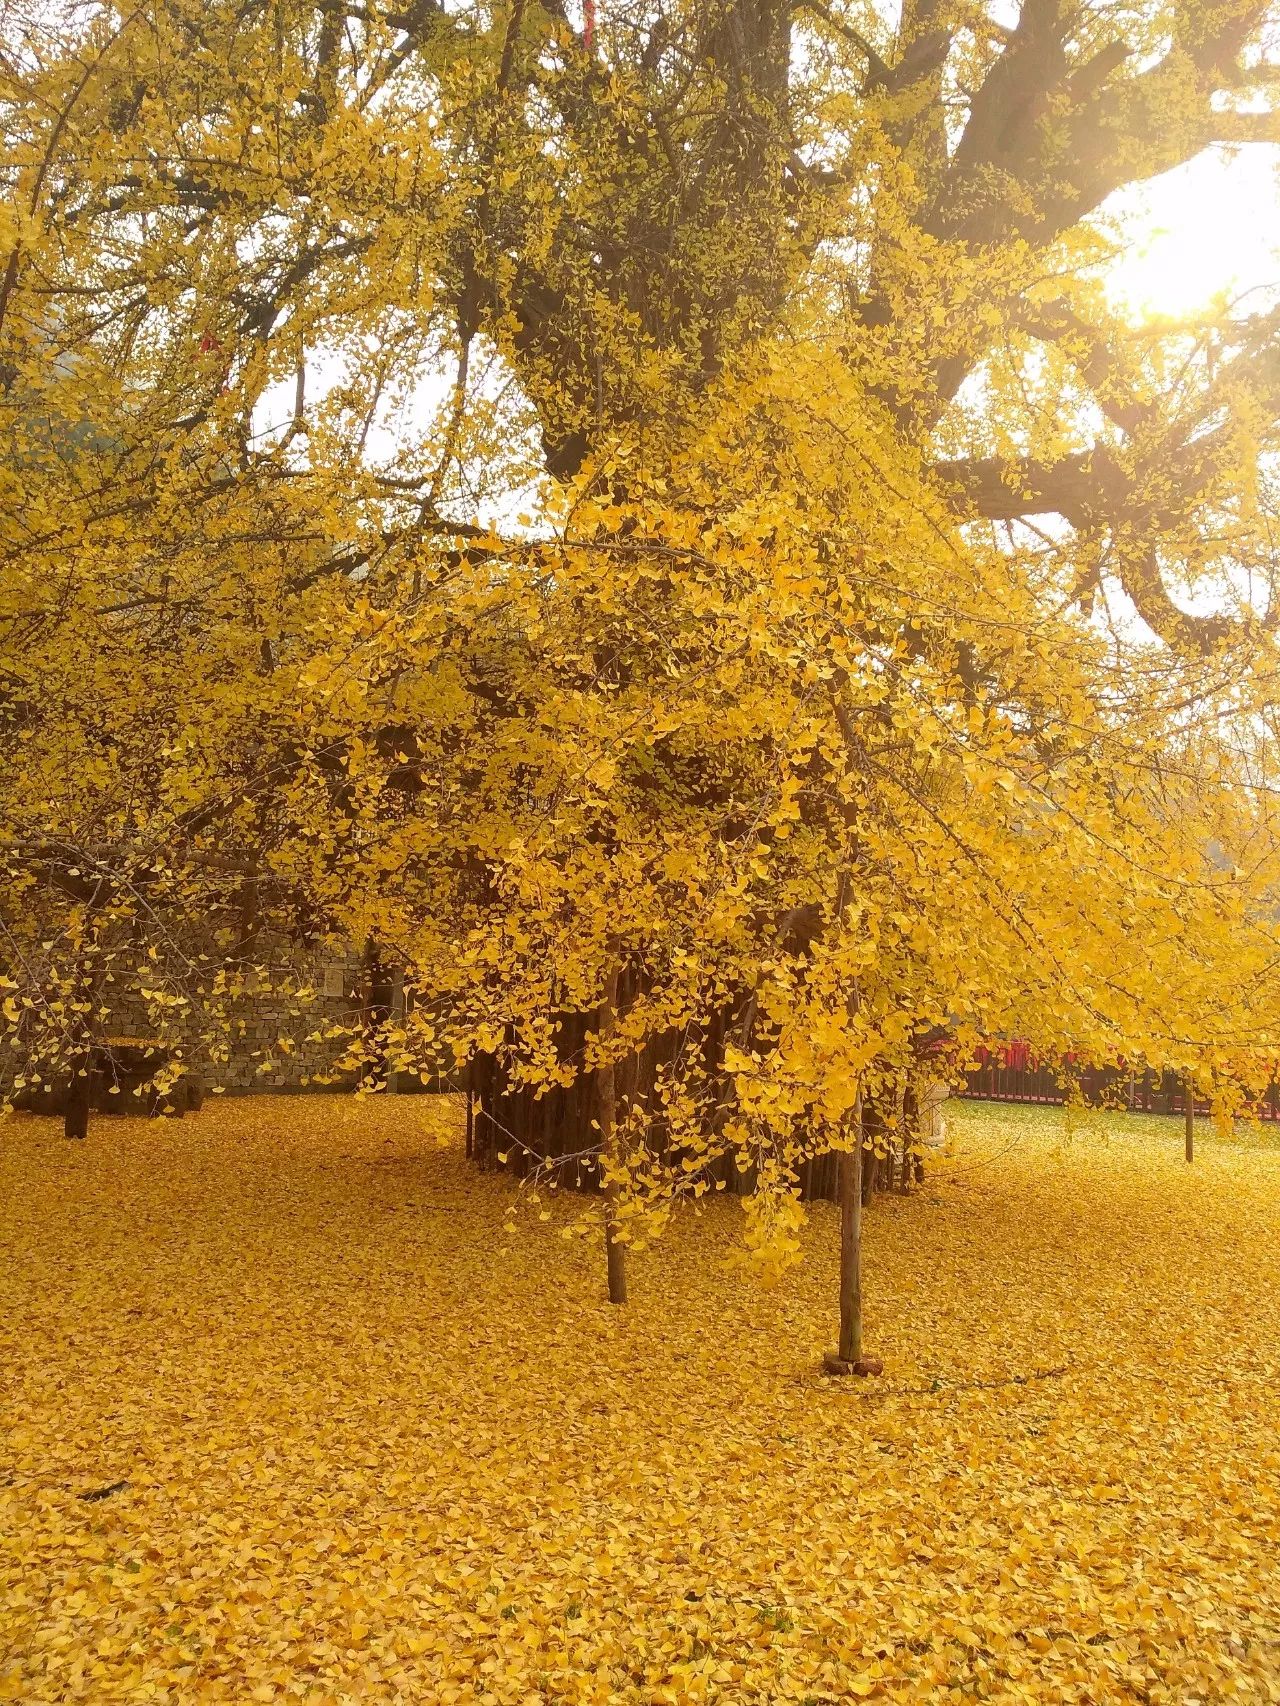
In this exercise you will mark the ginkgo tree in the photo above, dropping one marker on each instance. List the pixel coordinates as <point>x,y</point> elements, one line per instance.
<point>650,521</point>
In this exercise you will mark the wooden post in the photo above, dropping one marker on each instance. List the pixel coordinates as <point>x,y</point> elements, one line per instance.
<point>1189,1098</point>
<point>848,1357</point>
<point>850,1348</point>
<point>75,1119</point>
<point>75,1111</point>
<point>399,1009</point>
<point>376,996</point>
<point>606,1115</point>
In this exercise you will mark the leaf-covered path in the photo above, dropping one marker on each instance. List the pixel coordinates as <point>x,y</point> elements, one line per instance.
<point>282,1421</point>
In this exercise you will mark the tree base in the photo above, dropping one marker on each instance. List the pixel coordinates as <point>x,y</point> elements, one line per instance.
<point>833,1364</point>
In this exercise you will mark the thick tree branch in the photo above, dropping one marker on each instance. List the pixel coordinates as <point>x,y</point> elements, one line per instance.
<point>1231,127</point>
<point>1086,483</point>
<point>1090,489</point>
<point>1097,362</point>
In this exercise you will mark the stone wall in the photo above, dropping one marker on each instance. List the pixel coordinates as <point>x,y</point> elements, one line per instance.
<point>271,1043</point>
<point>268,1037</point>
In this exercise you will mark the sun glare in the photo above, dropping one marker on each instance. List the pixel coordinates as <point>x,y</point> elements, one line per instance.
<point>1207,231</point>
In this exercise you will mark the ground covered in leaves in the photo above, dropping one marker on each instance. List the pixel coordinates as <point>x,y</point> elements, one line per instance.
<point>281,1422</point>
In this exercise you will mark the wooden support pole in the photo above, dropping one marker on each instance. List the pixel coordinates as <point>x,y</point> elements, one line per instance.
<point>75,1111</point>
<point>606,1115</point>
<point>848,1357</point>
<point>399,1009</point>
<point>850,1348</point>
<point>75,1119</point>
<point>1189,1097</point>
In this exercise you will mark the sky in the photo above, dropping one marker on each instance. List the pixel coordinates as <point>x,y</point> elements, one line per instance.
<point>1209,227</point>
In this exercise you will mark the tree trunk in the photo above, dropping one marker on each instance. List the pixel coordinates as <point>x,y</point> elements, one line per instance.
<point>557,1128</point>
<point>378,995</point>
<point>1189,1098</point>
<point>850,1348</point>
<point>471,1109</point>
<point>75,1119</point>
<point>399,1008</point>
<point>606,1114</point>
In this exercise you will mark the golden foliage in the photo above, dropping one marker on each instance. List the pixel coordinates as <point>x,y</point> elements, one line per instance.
<point>669,504</point>
<point>368,1459</point>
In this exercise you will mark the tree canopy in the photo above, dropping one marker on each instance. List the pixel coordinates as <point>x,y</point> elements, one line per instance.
<point>648,514</point>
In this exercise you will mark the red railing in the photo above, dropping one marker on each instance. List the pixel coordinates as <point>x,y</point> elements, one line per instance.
<point>1010,1073</point>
